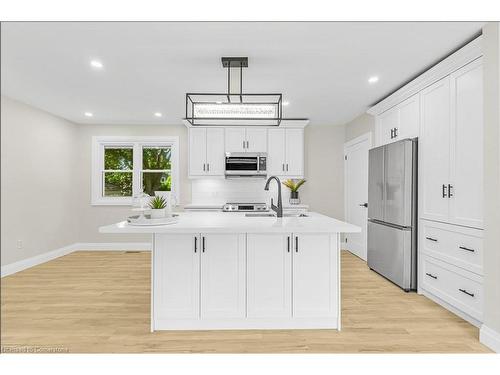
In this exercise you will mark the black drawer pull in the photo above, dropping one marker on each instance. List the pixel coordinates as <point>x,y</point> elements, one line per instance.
<point>466,292</point>
<point>431,239</point>
<point>431,275</point>
<point>467,249</point>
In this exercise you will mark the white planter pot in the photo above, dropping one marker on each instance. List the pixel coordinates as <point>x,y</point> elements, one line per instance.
<point>157,213</point>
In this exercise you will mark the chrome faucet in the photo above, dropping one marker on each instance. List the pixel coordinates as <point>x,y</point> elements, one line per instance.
<point>278,209</point>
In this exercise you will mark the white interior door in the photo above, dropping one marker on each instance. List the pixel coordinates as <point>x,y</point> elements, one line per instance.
<point>356,192</point>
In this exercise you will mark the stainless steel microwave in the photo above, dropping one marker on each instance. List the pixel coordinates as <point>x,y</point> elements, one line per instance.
<point>246,164</point>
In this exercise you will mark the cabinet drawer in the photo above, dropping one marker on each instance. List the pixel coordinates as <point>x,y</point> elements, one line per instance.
<point>462,247</point>
<point>460,288</point>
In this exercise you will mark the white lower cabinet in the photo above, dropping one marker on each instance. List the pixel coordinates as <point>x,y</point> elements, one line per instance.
<point>176,277</point>
<point>451,267</point>
<point>269,275</point>
<point>238,280</point>
<point>315,276</point>
<point>223,275</point>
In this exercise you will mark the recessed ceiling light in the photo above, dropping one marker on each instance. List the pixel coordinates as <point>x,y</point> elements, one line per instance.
<point>88,114</point>
<point>373,79</point>
<point>96,64</point>
<point>285,103</point>
<point>158,114</point>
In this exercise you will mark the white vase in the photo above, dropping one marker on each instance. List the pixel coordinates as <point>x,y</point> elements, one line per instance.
<point>157,213</point>
<point>168,197</point>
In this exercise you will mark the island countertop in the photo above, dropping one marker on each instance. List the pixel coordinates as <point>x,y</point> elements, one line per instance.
<point>236,222</point>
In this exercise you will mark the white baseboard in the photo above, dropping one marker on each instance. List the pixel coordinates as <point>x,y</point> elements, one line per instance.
<point>21,265</point>
<point>112,246</point>
<point>490,338</point>
<point>11,268</point>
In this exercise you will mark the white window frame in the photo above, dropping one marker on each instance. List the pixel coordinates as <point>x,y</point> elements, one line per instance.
<point>137,143</point>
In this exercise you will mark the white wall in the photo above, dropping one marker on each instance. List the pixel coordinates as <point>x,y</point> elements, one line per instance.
<point>39,190</point>
<point>324,169</point>
<point>92,217</point>
<point>491,40</point>
<point>362,124</point>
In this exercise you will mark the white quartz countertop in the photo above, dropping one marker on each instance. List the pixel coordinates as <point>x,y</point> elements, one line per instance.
<point>236,222</point>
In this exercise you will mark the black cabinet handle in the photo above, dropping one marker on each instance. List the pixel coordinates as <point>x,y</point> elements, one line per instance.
<point>203,167</point>
<point>203,244</point>
<point>444,191</point>
<point>450,194</point>
<point>392,133</point>
<point>395,132</point>
<point>431,239</point>
<point>431,275</point>
<point>467,249</point>
<point>195,244</point>
<point>466,292</point>
<point>364,205</point>
<point>288,244</point>
<point>296,244</point>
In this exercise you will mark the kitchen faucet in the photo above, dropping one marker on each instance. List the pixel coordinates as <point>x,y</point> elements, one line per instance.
<point>278,209</point>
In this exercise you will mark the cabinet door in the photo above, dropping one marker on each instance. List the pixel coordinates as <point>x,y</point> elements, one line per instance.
<point>294,146</point>
<point>215,152</point>
<point>223,276</point>
<point>269,275</point>
<point>235,140</point>
<point>434,150</point>
<point>466,162</point>
<point>256,140</point>
<point>409,118</point>
<point>197,151</point>
<point>315,275</point>
<point>276,152</point>
<point>176,277</point>
<point>386,123</point>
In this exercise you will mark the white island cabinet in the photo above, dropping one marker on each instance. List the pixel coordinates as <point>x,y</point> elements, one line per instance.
<point>228,271</point>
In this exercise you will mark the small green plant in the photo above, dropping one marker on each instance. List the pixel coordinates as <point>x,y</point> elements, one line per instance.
<point>293,185</point>
<point>157,203</point>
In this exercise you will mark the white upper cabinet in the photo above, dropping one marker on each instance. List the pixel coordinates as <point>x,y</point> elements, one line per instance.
<point>223,275</point>
<point>400,122</point>
<point>246,140</point>
<point>256,140</point>
<point>434,150</point>
<point>451,148</point>
<point>235,140</point>
<point>466,173</point>
<point>206,152</point>
<point>286,152</point>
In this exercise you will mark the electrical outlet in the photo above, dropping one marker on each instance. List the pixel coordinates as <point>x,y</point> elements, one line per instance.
<point>19,244</point>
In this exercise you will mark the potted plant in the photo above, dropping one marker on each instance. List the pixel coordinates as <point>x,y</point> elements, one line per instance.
<point>294,186</point>
<point>157,205</point>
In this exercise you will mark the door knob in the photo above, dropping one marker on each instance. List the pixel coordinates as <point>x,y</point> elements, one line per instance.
<point>364,205</point>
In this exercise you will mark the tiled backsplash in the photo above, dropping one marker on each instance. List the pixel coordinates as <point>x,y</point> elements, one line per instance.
<point>220,191</point>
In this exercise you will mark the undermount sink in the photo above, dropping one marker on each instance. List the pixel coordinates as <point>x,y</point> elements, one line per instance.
<point>261,214</point>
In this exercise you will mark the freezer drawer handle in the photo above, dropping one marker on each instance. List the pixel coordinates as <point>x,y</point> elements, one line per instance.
<point>431,239</point>
<point>431,275</point>
<point>467,249</point>
<point>466,292</point>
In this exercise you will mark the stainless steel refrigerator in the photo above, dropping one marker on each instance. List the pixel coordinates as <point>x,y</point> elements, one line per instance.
<point>392,212</point>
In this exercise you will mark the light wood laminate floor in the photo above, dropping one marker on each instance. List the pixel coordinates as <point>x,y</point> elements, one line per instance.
<point>100,302</point>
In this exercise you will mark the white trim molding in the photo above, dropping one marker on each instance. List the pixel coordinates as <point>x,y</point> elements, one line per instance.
<point>24,264</point>
<point>463,56</point>
<point>135,142</point>
<point>490,338</point>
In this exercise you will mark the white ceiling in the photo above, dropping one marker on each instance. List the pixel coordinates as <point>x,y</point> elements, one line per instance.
<point>321,68</point>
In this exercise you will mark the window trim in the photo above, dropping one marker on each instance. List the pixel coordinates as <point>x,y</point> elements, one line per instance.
<point>137,142</point>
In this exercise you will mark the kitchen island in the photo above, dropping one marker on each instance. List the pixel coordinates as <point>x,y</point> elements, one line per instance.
<point>231,271</point>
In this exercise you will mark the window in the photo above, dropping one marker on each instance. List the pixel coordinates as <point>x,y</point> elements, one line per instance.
<point>124,166</point>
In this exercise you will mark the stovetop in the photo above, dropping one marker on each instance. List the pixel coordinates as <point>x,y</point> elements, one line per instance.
<point>245,207</point>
